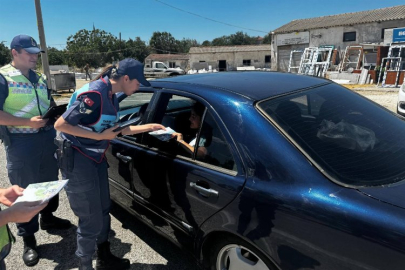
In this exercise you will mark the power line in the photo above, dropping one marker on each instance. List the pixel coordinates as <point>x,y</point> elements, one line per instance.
<point>210,18</point>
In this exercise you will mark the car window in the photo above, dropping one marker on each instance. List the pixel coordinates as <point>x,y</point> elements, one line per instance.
<point>134,106</point>
<point>205,138</point>
<point>350,138</point>
<point>216,150</point>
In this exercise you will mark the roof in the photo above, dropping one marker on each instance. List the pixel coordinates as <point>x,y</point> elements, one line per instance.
<point>369,16</point>
<point>235,48</point>
<point>255,85</point>
<point>164,57</point>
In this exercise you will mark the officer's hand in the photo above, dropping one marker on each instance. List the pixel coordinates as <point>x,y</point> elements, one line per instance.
<point>9,195</point>
<point>109,134</point>
<point>37,122</point>
<point>154,127</point>
<point>22,212</point>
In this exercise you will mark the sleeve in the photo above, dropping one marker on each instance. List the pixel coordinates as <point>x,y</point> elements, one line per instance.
<point>86,105</point>
<point>3,91</point>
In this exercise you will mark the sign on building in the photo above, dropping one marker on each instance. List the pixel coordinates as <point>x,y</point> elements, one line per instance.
<point>293,38</point>
<point>398,35</point>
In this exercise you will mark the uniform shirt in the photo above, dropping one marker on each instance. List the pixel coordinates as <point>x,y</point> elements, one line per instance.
<point>85,110</point>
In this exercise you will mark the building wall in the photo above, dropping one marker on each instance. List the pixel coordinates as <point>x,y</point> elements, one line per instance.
<point>365,33</point>
<point>233,59</point>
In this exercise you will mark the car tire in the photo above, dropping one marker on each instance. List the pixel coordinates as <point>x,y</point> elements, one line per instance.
<point>233,253</point>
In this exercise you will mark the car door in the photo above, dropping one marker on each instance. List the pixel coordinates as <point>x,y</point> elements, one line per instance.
<point>122,153</point>
<point>187,190</point>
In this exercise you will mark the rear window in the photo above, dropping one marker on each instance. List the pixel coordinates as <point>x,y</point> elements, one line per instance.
<point>351,139</point>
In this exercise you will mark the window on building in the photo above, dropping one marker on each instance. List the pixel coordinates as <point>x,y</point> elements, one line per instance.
<point>267,58</point>
<point>172,64</point>
<point>246,62</point>
<point>349,36</point>
<point>383,31</point>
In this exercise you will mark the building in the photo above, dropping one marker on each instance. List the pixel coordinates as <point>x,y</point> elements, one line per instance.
<point>226,58</point>
<point>338,31</point>
<point>171,60</point>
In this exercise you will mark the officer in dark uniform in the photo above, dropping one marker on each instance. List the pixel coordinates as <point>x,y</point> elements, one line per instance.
<point>86,129</point>
<point>24,97</point>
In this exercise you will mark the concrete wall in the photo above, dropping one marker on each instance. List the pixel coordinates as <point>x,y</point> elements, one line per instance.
<point>233,59</point>
<point>365,33</point>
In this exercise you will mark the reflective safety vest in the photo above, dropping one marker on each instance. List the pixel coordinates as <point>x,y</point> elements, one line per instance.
<point>25,99</point>
<point>94,149</point>
<point>6,240</point>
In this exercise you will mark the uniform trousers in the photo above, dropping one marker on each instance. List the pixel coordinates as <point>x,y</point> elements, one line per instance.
<point>31,159</point>
<point>89,197</point>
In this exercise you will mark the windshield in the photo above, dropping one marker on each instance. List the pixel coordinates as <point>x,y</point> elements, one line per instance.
<point>349,138</point>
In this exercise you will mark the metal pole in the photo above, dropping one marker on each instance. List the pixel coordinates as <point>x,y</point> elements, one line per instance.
<point>41,32</point>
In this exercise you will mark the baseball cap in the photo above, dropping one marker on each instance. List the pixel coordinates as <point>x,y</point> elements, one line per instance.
<point>25,42</point>
<point>134,69</point>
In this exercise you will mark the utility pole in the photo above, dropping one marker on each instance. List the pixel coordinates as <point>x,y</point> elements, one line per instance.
<point>41,32</point>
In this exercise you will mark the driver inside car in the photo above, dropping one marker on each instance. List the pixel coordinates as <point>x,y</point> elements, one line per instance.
<point>197,112</point>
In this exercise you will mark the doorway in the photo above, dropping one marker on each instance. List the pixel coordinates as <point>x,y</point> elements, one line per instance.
<point>222,65</point>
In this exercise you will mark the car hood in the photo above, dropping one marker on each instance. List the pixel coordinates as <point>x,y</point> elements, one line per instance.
<point>392,194</point>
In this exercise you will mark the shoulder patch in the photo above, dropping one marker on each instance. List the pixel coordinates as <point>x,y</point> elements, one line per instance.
<point>88,101</point>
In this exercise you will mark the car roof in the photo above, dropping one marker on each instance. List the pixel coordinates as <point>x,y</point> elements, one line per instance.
<point>256,85</point>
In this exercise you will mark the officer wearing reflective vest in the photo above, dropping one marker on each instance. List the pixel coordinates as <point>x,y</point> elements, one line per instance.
<point>86,128</point>
<point>24,97</point>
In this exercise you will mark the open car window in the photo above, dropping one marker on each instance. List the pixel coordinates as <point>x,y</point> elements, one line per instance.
<point>135,106</point>
<point>207,140</point>
<point>355,143</point>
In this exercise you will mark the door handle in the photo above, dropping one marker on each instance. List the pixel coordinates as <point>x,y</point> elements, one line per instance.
<point>125,159</point>
<point>206,192</point>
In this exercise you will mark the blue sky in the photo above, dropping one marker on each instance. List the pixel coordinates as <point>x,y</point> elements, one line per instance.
<point>133,18</point>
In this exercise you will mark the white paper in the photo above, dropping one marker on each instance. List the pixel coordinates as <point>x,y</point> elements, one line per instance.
<point>41,191</point>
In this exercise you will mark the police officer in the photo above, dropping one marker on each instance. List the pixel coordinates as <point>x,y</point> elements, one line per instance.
<point>29,146</point>
<point>86,128</point>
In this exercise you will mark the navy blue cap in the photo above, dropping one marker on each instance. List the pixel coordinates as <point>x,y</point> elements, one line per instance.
<point>134,69</point>
<point>25,42</point>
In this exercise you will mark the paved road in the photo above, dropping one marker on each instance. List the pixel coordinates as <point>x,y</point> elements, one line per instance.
<point>130,239</point>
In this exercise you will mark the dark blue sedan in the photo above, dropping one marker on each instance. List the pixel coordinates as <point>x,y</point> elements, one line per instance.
<point>276,171</point>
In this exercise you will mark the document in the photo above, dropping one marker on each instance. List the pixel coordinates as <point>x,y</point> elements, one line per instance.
<point>163,135</point>
<point>41,191</point>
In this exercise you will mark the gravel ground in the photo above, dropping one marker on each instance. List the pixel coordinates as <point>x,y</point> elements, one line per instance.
<point>130,238</point>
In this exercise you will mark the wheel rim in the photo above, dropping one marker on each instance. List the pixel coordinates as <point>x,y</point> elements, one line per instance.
<point>237,257</point>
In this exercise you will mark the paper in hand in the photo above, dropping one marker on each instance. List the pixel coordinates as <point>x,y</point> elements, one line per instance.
<point>42,192</point>
<point>163,135</point>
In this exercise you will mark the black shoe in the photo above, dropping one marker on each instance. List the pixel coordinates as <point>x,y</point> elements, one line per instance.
<point>85,266</point>
<point>106,260</point>
<point>52,222</point>
<point>30,255</point>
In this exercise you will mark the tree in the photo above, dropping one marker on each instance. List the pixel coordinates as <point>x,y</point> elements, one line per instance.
<point>185,44</point>
<point>267,39</point>
<point>163,42</point>
<point>206,43</point>
<point>5,56</point>
<point>136,49</point>
<point>239,38</point>
<point>96,47</point>
<point>55,56</point>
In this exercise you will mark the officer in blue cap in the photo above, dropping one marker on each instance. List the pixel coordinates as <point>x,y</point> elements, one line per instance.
<point>86,128</point>
<point>24,98</point>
